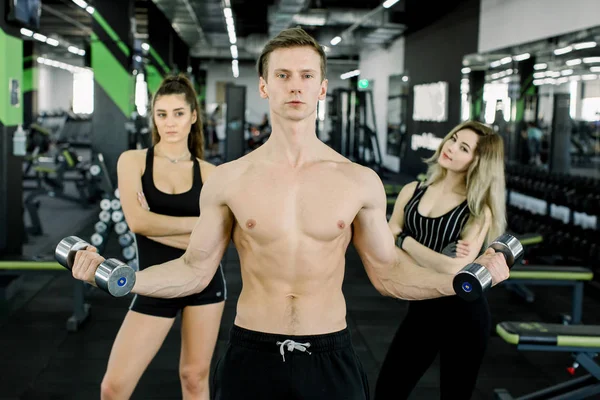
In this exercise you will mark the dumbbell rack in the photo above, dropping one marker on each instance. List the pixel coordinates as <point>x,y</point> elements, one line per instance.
<point>565,209</point>
<point>112,220</point>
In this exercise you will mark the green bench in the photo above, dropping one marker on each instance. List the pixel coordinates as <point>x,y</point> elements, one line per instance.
<point>23,266</point>
<point>580,340</point>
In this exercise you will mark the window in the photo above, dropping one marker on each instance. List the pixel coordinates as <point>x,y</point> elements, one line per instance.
<point>83,92</point>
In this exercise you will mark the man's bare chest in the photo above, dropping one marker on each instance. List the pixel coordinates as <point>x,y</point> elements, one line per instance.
<point>276,208</point>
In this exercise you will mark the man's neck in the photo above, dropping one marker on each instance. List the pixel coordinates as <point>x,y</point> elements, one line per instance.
<point>293,142</point>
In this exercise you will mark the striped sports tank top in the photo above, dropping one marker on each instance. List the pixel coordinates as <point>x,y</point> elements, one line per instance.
<point>434,232</point>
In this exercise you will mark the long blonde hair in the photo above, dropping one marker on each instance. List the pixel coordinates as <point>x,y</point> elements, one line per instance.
<point>485,180</point>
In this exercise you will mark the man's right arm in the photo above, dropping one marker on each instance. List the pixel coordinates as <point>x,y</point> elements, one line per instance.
<point>193,271</point>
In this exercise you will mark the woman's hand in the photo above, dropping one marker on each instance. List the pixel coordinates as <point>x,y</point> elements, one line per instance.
<point>463,248</point>
<point>458,249</point>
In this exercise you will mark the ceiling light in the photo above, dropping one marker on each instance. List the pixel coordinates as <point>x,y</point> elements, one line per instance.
<point>584,45</point>
<point>389,3</point>
<point>40,37</point>
<point>80,3</point>
<point>563,50</point>
<point>521,57</point>
<point>350,74</point>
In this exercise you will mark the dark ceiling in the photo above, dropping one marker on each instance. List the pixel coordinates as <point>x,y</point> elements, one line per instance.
<point>201,23</point>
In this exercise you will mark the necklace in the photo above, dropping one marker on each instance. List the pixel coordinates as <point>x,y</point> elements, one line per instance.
<point>176,160</point>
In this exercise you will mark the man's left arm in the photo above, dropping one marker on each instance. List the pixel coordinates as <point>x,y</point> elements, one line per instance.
<point>391,270</point>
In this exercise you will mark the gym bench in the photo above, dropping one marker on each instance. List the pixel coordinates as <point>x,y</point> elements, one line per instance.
<point>583,341</point>
<point>551,275</point>
<point>80,308</point>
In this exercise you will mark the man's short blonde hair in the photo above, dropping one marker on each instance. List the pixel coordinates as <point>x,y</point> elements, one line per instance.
<point>293,37</point>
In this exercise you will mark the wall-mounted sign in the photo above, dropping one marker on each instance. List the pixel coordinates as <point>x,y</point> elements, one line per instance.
<point>427,141</point>
<point>431,102</point>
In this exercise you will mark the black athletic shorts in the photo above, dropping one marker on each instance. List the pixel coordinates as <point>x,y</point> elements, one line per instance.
<point>215,292</point>
<point>263,366</point>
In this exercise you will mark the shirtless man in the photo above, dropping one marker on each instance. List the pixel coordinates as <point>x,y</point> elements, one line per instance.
<point>293,206</point>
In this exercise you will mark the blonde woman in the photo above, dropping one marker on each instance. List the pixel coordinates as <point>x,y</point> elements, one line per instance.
<point>443,224</point>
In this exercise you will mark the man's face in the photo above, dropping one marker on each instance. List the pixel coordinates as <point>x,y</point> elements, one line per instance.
<point>293,84</point>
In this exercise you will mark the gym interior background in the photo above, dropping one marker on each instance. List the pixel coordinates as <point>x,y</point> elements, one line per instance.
<point>76,78</point>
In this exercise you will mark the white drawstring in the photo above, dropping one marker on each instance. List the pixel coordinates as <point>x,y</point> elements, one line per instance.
<point>291,345</point>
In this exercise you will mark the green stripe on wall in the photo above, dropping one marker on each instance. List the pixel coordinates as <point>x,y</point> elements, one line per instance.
<point>159,59</point>
<point>110,32</point>
<point>116,81</point>
<point>153,78</point>
<point>30,79</point>
<point>10,68</point>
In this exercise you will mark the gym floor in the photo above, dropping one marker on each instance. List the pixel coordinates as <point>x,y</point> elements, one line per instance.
<point>40,360</point>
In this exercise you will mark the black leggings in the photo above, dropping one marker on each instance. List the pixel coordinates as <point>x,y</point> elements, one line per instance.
<point>456,329</point>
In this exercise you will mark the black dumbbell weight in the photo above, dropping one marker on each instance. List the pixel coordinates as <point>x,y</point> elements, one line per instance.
<point>112,276</point>
<point>474,279</point>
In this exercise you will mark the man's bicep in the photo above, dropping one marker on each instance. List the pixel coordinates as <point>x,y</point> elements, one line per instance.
<point>212,232</point>
<point>373,238</point>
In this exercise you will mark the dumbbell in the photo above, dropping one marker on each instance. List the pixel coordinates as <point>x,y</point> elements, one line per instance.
<point>104,216</point>
<point>117,216</point>
<point>95,170</point>
<point>115,204</point>
<point>474,279</point>
<point>125,239</point>
<point>112,276</point>
<point>100,227</point>
<point>128,253</point>
<point>105,204</point>
<point>121,227</point>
